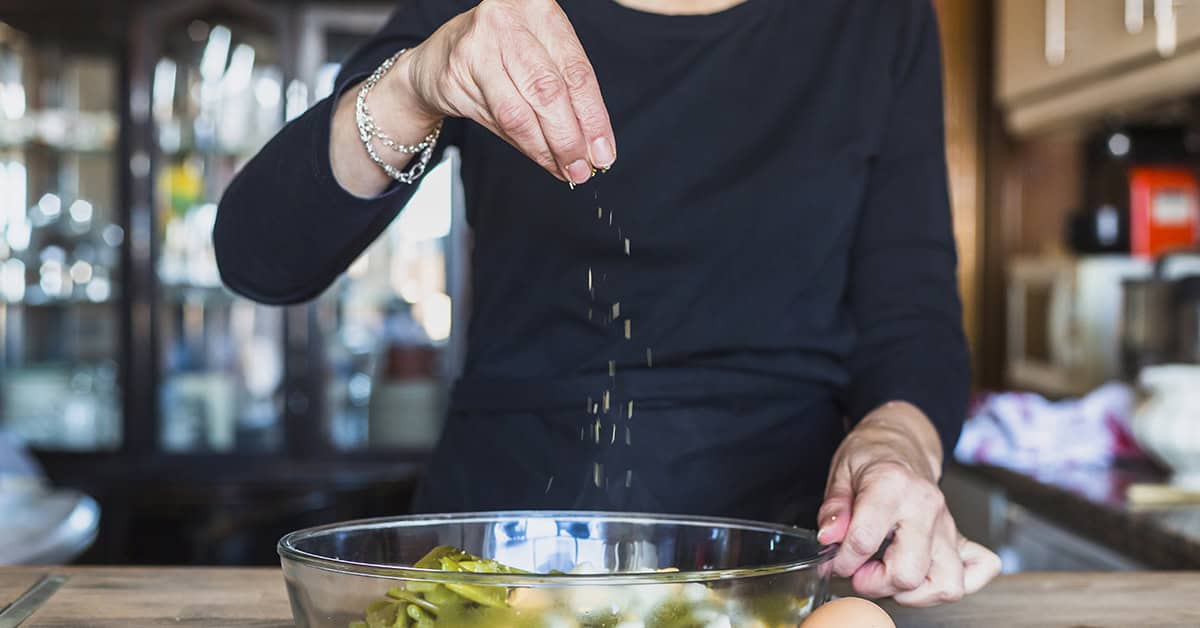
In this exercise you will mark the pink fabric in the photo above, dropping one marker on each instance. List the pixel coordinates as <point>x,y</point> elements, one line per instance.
<point>1024,430</point>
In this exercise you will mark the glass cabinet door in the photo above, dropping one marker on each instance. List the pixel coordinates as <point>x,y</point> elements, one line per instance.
<point>60,246</point>
<point>390,329</point>
<point>217,95</point>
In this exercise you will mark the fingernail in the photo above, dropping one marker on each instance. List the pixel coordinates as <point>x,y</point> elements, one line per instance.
<point>603,154</point>
<point>579,172</point>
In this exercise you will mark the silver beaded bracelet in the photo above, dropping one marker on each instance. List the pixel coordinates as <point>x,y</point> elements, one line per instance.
<point>368,132</point>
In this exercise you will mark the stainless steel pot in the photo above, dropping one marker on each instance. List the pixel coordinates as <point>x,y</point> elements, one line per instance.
<point>1160,320</point>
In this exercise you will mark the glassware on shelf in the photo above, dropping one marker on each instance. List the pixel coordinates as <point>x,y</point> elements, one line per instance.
<point>405,400</point>
<point>60,242</point>
<point>387,325</point>
<point>216,95</point>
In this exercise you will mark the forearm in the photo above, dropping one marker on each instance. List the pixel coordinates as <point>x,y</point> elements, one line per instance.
<point>396,109</point>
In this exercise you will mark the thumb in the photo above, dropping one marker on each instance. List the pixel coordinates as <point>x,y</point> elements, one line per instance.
<point>833,518</point>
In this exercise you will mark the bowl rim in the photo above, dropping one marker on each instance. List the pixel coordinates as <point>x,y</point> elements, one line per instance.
<point>288,551</point>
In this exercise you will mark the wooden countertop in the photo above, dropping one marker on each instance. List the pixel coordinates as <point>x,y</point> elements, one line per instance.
<point>234,598</point>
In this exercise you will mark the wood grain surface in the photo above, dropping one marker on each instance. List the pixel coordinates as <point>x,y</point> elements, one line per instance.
<point>126,597</point>
<point>235,598</point>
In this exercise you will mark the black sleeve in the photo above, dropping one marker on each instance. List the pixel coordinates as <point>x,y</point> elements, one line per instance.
<point>903,290</point>
<point>285,227</point>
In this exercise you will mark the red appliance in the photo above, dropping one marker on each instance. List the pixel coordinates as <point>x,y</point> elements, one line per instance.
<point>1164,210</point>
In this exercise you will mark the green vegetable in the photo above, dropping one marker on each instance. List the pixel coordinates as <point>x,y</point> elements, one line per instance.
<point>456,604</point>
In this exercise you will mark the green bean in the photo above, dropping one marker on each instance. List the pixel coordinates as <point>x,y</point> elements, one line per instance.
<point>404,596</point>
<point>440,595</point>
<point>487,596</point>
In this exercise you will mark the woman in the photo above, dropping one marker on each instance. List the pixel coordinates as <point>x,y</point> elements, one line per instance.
<point>776,233</point>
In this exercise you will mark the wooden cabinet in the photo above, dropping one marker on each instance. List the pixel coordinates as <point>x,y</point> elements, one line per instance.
<point>1066,60</point>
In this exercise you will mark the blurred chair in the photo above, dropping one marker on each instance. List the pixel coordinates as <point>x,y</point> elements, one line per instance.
<point>40,525</point>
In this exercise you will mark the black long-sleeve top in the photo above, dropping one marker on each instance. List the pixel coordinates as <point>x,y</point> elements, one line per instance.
<point>782,182</point>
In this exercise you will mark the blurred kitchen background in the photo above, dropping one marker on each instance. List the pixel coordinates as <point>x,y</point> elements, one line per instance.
<point>148,416</point>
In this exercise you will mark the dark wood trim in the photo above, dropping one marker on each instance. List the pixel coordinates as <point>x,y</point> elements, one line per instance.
<point>992,319</point>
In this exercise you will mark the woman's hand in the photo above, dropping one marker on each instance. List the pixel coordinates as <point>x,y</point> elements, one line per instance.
<point>517,68</point>
<point>514,66</point>
<point>883,486</point>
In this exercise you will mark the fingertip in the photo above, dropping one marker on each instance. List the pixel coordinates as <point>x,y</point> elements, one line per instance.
<point>602,152</point>
<point>832,529</point>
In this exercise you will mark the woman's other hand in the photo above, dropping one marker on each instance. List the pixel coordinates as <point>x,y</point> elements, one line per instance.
<point>883,486</point>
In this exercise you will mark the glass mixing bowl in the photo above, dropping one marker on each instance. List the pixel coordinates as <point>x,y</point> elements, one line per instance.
<point>585,570</point>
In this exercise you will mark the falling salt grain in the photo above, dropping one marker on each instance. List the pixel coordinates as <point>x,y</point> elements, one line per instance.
<point>649,358</point>
<point>596,431</point>
<point>599,213</point>
<point>629,415</point>
<point>612,369</point>
<point>628,440</point>
<point>597,470</point>
<point>616,310</point>
<point>627,246</point>
<point>549,484</point>
<point>613,440</point>
<point>606,401</point>
<point>589,279</point>
<point>628,478</point>
<point>628,329</point>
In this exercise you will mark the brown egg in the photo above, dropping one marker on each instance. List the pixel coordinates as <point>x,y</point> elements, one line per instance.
<point>848,612</point>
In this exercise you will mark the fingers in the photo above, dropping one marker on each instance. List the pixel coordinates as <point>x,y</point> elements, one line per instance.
<point>980,565</point>
<point>873,517</point>
<point>538,80</point>
<point>517,68</point>
<point>945,580</point>
<point>583,89</point>
<point>508,115</point>
<point>906,563</point>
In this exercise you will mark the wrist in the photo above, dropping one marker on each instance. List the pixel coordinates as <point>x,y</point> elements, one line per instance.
<point>400,103</point>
